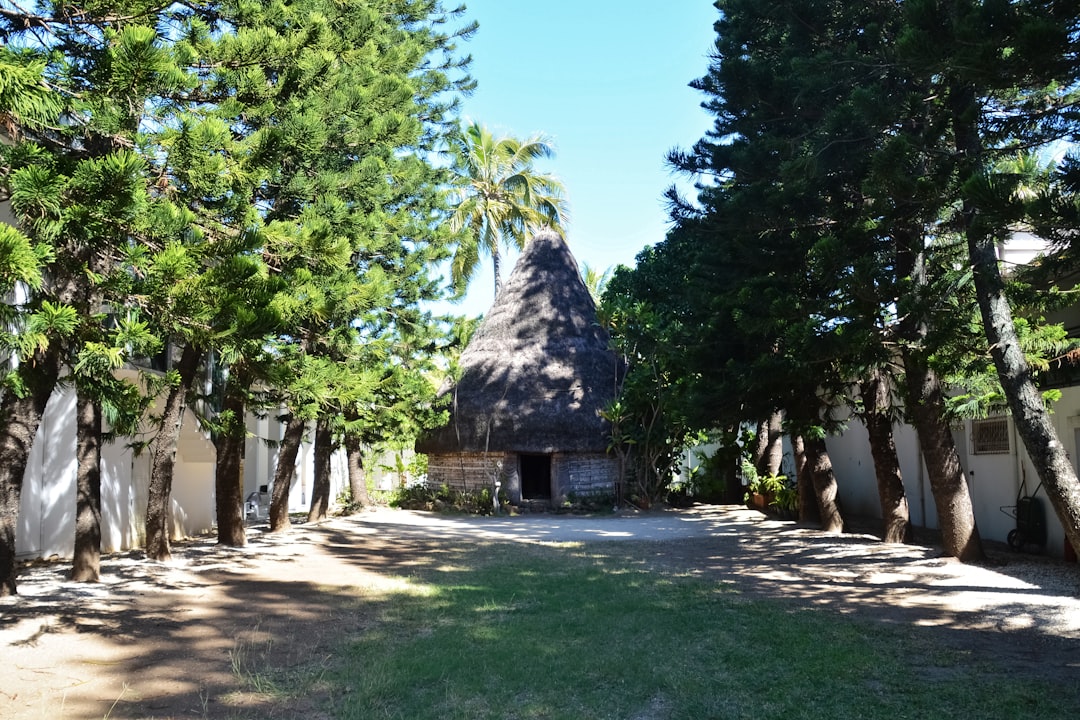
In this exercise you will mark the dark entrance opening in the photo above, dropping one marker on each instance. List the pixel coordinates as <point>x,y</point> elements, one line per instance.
<point>535,477</point>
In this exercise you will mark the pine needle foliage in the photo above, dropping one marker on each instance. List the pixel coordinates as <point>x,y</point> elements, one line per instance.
<point>250,180</point>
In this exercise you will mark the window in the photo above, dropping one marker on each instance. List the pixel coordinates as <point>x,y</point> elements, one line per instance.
<point>990,436</point>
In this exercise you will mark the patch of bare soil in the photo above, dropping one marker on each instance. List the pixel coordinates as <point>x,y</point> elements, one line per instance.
<point>217,632</point>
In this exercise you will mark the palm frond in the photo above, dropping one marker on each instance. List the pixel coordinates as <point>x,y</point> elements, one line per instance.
<point>502,199</point>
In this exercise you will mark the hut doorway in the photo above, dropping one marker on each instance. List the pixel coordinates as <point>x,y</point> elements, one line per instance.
<point>535,477</point>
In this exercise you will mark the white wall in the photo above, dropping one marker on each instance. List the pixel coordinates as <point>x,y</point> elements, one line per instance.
<point>994,480</point>
<point>47,506</point>
<point>120,506</point>
<point>192,501</point>
<point>854,468</point>
<point>260,463</point>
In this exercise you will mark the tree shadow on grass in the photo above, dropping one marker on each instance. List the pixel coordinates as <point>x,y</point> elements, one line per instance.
<point>218,633</point>
<point>257,631</point>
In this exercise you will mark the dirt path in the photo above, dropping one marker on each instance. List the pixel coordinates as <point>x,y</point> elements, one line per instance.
<point>190,638</point>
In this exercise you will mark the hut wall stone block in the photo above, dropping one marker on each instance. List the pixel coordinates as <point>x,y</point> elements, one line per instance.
<point>584,475</point>
<point>466,471</point>
<point>573,475</point>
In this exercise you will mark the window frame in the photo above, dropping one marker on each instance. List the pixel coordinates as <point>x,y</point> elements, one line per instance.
<point>990,436</point>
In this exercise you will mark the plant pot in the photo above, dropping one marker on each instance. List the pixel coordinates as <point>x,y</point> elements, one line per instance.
<point>760,501</point>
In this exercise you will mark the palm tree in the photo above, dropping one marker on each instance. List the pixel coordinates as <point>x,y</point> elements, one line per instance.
<point>501,200</point>
<point>595,280</point>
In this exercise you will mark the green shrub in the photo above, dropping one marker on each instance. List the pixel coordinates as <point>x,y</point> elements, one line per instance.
<point>414,497</point>
<point>710,480</point>
<point>444,499</point>
<point>589,502</point>
<point>786,495</point>
<point>345,501</point>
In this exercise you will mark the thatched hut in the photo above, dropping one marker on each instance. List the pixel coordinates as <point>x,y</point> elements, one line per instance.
<point>525,411</point>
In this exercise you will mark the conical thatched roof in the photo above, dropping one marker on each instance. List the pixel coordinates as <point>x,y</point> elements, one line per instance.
<point>538,368</point>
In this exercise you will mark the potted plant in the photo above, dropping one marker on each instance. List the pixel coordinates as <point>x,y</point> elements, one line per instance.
<point>755,497</point>
<point>771,494</point>
<point>786,499</point>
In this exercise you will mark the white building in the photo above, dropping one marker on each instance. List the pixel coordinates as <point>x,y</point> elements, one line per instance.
<point>997,467</point>
<point>47,508</point>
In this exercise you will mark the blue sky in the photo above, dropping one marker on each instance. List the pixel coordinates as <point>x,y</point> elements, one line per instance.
<point>606,81</point>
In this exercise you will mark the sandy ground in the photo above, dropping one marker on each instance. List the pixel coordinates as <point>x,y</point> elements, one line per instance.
<point>187,638</point>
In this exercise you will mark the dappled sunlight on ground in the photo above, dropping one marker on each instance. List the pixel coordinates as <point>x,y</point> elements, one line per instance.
<point>193,637</point>
<point>185,637</point>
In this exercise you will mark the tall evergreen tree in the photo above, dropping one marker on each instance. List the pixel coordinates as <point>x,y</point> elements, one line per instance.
<point>223,125</point>
<point>784,196</point>
<point>332,153</point>
<point>844,137</point>
<point>1003,76</point>
<point>78,186</point>
<point>29,331</point>
<point>354,208</point>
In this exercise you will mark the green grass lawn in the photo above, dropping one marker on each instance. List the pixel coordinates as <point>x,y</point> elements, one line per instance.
<point>572,633</point>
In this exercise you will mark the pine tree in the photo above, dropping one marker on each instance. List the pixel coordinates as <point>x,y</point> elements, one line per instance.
<point>353,210</point>
<point>30,332</point>
<point>785,154</point>
<point>1003,77</point>
<point>78,186</point>
<point>198,144</point>
<point>845,136</point>
<point>334,106</point>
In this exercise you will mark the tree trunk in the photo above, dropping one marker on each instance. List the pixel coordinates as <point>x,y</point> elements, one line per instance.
<point>86,566</point>
<point>809,514</point>
<point>925,408</point>
<point>22,417</point>
<point>956,518</point>
<point>19,420</point>
<point>163,461</point>
<point>320,491</point>
<point>357,477</point>
<point>1047,454</point>
<point>725,462</point>
<point>819,467</point>
<point>816,482</point>
<point>228,467</point>
<point>772,453</point>
<point>496,266</point>
<point>761,444</point>
<point>890,482</point>
<point>283,474</point>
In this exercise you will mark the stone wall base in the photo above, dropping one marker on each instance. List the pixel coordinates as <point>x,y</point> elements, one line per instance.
<point>573,476</point>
